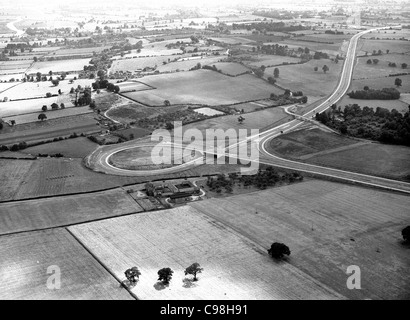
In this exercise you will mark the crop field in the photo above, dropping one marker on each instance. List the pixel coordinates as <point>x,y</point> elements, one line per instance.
<point>43,130</point>
<point>65,210</point>
<point>232,69</point>
<point>59,65</point>
<point>380,83</point>
<point>390,161</point>
<point>12,175</point>
<point>71,148</point>
<point>26,258</point>
<point>302,77</point>
<point>304,142</point>
<point>234,267</point>
<point>51,114</point>
<point>387,104</point>
<point>381,69</point>
<point>39,89</point>
<point>188,63</point>
<point>328,226</point>
<point>22,179</point>
<point>202,87</point>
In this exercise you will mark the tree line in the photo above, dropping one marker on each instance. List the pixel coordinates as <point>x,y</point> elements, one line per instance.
<point>374,94</point>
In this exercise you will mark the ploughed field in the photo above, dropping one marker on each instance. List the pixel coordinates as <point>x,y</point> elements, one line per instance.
<point>202,87</point>
<point>328,226</point>
<point>234,267</point>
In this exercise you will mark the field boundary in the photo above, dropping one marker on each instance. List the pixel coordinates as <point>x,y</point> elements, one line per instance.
<point>102,264</point>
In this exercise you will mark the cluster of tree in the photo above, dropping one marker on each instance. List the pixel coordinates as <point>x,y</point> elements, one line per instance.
<point>275,14</point>
<point>164,275</point>
<point>333,32</point>
<point>46,155</point>
<point>286,97</point>
<point>268,177</point>
<point>320,55</point>
<point>216,184</point>
<point>382,125</point>
<point>84,99</point>
<point>269,27</point>
<point>371,94</point>
<point>278,250</point>
<point>105,84</point>
<point>273,49</point>
<point>374,61</point>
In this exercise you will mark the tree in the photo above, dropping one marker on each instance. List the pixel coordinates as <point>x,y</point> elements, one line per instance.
<point>398,82</point>
<point>42,116</point>
<point>63,75</point>
<point>375,61</point>
<point>316,69</point>
<point>404,65</point>
<point>276,73</point>
<point>116,89</point>
<point>44,108</point>
<point>169,126</point>
<point>132,274</point>
<point>54,106</point>
<point>194,269</point>
<point>369,61</point>
<point>366,88</point>
<point>325,68</point>
<point>62,105</point>
<point>13,122</point>
<point>167,103</point>
<point>406,234</point>
<point>278,250</point>
<point>241,119</point>
<point>35,59</point>
<point>165,275</point>
<point>50,73</point>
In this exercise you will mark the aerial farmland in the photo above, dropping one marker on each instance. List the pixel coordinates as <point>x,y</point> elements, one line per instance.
<point>214,152</point>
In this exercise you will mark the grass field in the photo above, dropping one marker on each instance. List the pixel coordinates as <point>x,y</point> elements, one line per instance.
<point>328,226</point>
<point>52,114</point>
<point>43,130</point>
<point>302,77</point>
<point>39,89</point>
<point>71,148</point>
<point>315,147</point>
<point>139,63</point>
<point>387,104</point>
<point>65,210</point>
<point>303,142</point>
<point>375,159</point>
<point>232,69</point>
<point>395,46</point>
<point>26,258</point>
<point>185,65</point>
<point>380,83</point>
<point>143,158</point>
<point>270,60</point>
<point>234,267</point>
<point>202,87</point>
<point>381,69</point>
<point>59,65</point>
<point>21,107</point>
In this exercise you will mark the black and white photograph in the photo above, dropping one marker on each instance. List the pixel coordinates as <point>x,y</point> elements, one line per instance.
<point>206,155</point>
